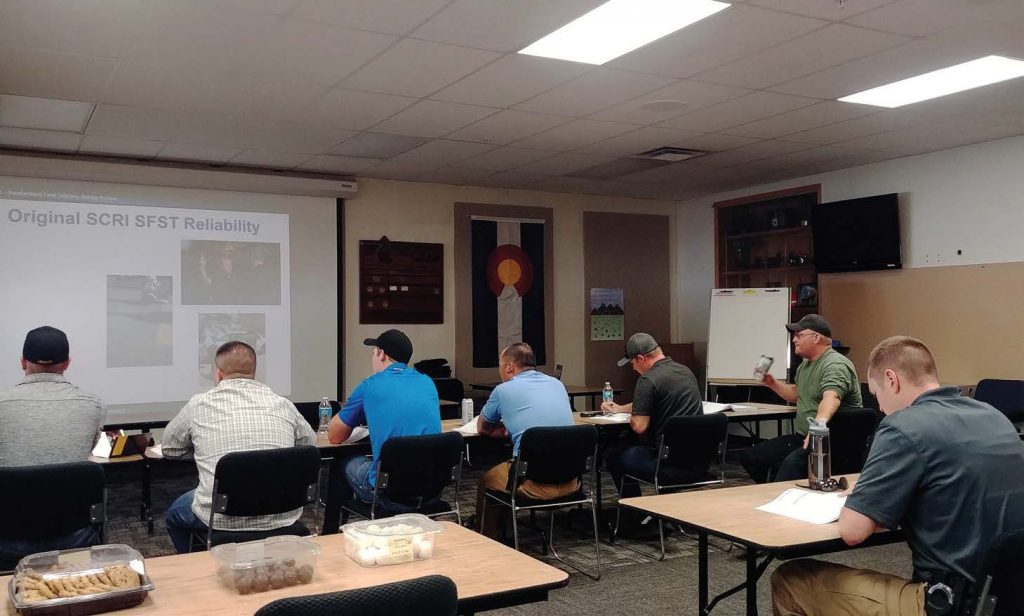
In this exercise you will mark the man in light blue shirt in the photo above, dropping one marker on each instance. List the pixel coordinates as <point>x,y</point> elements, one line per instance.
<point>525,399</point>
<point>395,400</point>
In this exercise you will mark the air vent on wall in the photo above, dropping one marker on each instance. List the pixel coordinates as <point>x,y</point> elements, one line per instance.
<point>670,154</point>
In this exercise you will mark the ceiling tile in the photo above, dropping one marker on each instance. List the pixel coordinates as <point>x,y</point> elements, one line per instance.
<point>53,75</point>
<point>352,109</point>
<point>728,35</point>
<point>388,170</point>
<point>51,140</point>
<point>592,92</point>
<point>804,118</point>
<point>44,113</point>
<point>134,123</point>
<point>272,135</point>
<point>850,129</point>
<point>668,102</point>
<point>799,158</point>
<point>507,126</point>
<point>739,111</point>
<point>833,11</point>
<point>84,27</point>
<point>273,7</point>
<point>510,179</point>
<point>510,80</point>
<point>640,140</point>
<point>376,145</point>
<point>418,68</point>
<point>345,165</point>
<point>158,86</point>
<point>564,164</point>
<point>501,25</point>
<point>747,153</point>
<point>504,158</point>
<point>575,134</point>
<point>715,142</point>
<point>441,152</point>
<point>115,146</point>
<point>197,153</point>
<point>924,17</point>
<point>391,16</point>
<point>432,119</point>
<point>270,159</point>
<point>456,175</point>
<point>810,53</point>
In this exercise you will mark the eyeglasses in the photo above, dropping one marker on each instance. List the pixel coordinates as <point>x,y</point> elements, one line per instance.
<point>802,334</point>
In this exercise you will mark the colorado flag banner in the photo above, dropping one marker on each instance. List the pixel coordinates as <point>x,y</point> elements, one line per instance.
<point>508,287</point>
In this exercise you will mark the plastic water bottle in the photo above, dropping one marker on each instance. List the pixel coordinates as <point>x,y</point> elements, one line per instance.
<point>467,410</point>
<point>607,392</point>
<point>325,415</point>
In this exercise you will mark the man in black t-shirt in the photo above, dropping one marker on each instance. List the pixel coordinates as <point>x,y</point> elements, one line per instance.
<point>665,389</point>
<point>947,470</point>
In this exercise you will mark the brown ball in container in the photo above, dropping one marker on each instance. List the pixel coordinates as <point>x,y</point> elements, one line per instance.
<point>305,574</point>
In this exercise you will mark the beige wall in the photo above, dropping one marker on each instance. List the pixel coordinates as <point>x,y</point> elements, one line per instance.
<point>418,212</point>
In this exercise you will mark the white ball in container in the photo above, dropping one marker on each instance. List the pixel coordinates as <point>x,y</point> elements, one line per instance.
<point>368,556</point>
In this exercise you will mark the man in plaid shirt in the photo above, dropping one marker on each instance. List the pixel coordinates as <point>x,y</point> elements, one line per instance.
<point>239,414</point>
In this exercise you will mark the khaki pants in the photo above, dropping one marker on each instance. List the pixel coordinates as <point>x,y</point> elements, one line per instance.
<point>811,588</point>
<point>497,479</point>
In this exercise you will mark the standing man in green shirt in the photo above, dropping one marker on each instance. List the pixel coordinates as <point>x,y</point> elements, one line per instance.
<point>826,381</point>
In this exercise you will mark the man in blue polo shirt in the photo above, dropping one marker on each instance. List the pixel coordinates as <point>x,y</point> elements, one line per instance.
<point>395,400</point>
<point>525,399</point>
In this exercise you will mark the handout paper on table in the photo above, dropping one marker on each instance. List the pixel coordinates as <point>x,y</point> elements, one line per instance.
<point>807,505</point>
<point>468,429</point>
<point>611,418</point>
<point>718,407</point>
<point>358,434</point>
<point>156,451</point>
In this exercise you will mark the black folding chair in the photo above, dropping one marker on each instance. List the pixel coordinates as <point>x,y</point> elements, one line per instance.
<point>851,432</point>
<point>450,389</point>
<point>432,595</point>
<point>262,482</point>
<point>1001,582</point>
<point>687,448</point>
<point>553,456</point>
<point>44,504</point>
<point>1007,396</point>
<point>413,471</point>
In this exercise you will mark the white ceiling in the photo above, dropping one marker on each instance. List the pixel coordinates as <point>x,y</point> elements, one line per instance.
<point>432,90</point>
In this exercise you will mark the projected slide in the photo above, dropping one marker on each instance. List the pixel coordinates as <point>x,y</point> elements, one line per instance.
<point>146,294</point>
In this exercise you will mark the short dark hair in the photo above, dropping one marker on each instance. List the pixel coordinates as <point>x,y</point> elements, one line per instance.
<point>908,357</point>
<point>236,357</point>
<point>521,355</point>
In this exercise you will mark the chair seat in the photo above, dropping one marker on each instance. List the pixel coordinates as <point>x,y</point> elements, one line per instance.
<point>362,509</point>
<point>219,537</point>
<point>525,501</point>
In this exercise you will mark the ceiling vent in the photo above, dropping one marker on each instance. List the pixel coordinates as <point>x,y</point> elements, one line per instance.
<point>670,154</point>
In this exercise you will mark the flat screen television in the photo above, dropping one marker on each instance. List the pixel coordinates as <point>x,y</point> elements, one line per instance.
<point>857,234</point>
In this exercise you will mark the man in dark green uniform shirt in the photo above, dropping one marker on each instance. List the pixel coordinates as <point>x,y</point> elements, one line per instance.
<point>826,381</point>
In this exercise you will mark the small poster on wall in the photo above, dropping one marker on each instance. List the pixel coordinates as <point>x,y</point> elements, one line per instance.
<point>606,314</point>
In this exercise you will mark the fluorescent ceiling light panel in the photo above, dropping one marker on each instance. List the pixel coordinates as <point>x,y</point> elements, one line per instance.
<point>44,113</point>
<point>973,74</point>
<point>620,26</point>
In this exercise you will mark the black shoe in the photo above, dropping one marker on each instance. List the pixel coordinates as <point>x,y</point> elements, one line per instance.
<point>469,522</point>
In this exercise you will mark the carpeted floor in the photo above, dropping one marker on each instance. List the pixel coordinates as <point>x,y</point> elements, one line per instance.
<point>630,583</point>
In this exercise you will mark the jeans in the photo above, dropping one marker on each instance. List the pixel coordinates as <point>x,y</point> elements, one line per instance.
<point>784,455</point>
<point>181,521</point>
<point>357,484</point>
<point>13,551</point>
<point>638,461</point>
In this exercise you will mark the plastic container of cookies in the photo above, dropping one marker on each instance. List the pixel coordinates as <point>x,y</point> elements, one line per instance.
<point>391,541</point>
<point>271,563</point>
<point>77,582</point>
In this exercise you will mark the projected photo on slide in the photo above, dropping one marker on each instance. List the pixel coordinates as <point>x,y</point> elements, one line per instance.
<point>139,321</point>
<point>217,328</point>
<point>232,273</point>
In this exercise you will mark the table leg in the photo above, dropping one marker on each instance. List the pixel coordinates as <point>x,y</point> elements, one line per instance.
<point>702,572</point>
<point>147,494</point>
<point>332,510</point>
<point>752,575</point>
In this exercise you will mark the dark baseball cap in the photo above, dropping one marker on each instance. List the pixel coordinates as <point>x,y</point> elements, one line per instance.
<point>813,322</point>
<point>394,343</point>
<point>45,345</point>
<point>638,344</point>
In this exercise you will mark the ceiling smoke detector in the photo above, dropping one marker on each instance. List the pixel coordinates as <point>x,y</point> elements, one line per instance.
<point>670,154</point>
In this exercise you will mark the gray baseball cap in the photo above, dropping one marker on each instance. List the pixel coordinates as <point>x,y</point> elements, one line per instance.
<point>813,322</point>
<point>638,344</point>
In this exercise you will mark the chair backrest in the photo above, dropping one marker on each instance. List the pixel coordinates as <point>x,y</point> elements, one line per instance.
<point>1002,575</point>
<point>411,468</point>
<point>558,372</point>
<point>310,411</point>
<point>450,389</point>
<point>867,398</point>
<point>1004,394</point>
<point>266,481</point>
<point>691,443</point>
<point>433,595</point>
<point>555,455</point>
<point>850,434</point>
<point>51,500</point>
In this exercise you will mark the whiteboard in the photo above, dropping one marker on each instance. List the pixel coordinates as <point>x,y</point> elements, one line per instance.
<point>745,324</point>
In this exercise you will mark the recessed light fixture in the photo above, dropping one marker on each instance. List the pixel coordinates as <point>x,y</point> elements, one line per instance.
<point>620,26</point>
<point>949,80</point>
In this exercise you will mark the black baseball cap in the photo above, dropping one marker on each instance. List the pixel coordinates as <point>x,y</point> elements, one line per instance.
<point>638,344</point>
<point>394,343</point>
<point>45,345</point>
<point>814,322</point>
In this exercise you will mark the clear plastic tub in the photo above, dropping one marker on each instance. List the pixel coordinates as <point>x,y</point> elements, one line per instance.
<point>274,562</point>
<point>77,582</point>
<point>390,541</point>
